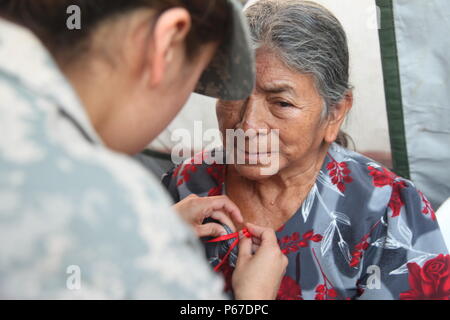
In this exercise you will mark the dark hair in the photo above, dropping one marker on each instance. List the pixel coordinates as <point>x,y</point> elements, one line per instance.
<point>47,19</point>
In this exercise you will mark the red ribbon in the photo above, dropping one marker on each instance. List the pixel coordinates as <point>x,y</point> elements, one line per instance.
<point>235,235</point>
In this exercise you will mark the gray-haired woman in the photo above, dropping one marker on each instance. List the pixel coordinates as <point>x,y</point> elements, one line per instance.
<point>349,227</point>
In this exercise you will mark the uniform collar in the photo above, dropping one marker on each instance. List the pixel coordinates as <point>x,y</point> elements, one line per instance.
<point>25,60</point>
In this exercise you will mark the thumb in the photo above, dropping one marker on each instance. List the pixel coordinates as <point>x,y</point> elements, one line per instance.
<point>210,230</point>
<point>245,248</point>
<point>266,237</point>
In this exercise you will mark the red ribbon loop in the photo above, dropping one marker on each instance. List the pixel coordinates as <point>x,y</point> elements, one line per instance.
<point>235,235</point>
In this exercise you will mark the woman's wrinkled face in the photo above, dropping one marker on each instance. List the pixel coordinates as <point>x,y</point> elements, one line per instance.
<point>282,99</point>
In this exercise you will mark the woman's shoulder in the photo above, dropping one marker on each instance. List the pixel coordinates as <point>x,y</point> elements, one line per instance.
<point>203,174</point>
<point>358,177</point>
<point>344,165</point>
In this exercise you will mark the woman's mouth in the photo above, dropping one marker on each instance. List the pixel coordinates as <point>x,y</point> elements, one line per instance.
<point>253,157</point>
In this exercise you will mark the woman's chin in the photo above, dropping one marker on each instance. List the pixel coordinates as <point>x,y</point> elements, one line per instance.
<point>256,171</point>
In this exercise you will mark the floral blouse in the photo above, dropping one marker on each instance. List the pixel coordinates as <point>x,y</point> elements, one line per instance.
<point>361,233</point>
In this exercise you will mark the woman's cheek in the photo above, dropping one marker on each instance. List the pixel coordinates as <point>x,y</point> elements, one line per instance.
<point>294,140</point>
<point>227,119</point>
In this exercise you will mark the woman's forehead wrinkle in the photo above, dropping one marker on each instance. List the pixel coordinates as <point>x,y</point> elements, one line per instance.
<point>273,77</point>
<point>277,87</point>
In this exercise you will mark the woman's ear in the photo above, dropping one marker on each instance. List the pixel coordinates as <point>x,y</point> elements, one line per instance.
<point>337,117</point>
<point>168,41</point>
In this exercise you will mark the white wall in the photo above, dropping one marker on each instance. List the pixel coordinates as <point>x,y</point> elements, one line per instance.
<point>367,123</point>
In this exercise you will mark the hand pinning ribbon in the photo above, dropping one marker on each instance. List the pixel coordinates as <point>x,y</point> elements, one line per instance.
<point>227,237</point>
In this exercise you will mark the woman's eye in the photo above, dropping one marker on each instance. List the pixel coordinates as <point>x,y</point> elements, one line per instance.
<point>284,104</point>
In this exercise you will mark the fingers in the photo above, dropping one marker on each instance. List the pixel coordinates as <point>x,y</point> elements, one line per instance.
<point>256,241</point>
<point>220,203</point>
<point>224,219</point>
<point>195,209</point>
<point>245,249</point>
<point>184,208</point>
<point>266,236</point>
<point>284,263</point>
<point>210,230</point>
<point>255,248</point>
<point>191,196</point>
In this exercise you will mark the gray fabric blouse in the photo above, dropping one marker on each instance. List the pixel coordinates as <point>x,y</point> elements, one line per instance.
<point>361,233</point>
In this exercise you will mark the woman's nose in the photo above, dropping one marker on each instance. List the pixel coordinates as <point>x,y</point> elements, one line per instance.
<point>253,115</point>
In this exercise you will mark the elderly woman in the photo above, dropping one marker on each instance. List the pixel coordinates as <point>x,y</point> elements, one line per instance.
<point>349,227</point>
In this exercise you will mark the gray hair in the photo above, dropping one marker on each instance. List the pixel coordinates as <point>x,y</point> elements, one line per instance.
<point>308,39</point>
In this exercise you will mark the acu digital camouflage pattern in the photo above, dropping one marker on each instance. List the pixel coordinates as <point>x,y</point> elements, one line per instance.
<point>68,203</point>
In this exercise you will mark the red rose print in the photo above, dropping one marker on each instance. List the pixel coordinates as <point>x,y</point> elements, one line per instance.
<point>323,293</point>
<point>187,168</point>
<point>185,175</point>
<point>320,292</point>
<point>358,252</point>
<point>332,293</point>
<point>431,282</point>
<point>217,172</point>
<point>339,173</point>
<point>382,178</point>
<point>387,178</point>
<point>426,207</point>
<point>289,290</point>
<point>316,238</point>
<point>293,243</point>
<point>308,235</point>
<point>396,201</point>
<point>326,290</point>
<point>215,191</point>
<point>303,244</point>
<point>362,246</point>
